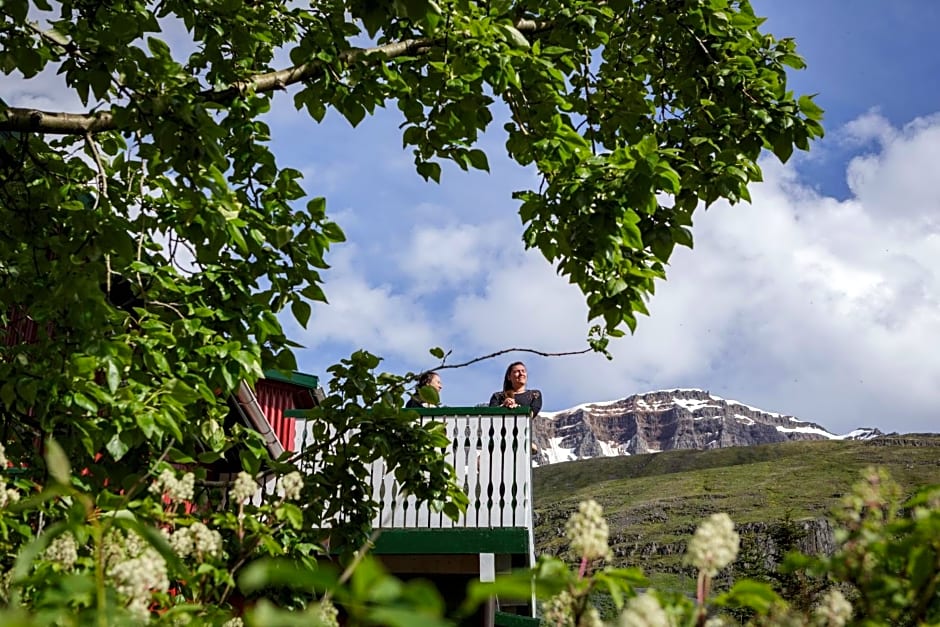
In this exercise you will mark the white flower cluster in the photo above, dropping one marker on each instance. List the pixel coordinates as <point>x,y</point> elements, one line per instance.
<point>7,495</point>
<point>117,547</point>
<point>591,618</point>
<point>197,540</point>
<point>292,483</point>
<point>833,611</point>
<point>6,581</point>
<point>587,532</point>
<point>645,611</point>
<point>136,570</point>
<point>63,550</point>
<point>235,621</point>
<point>325,614</point>
<point>244,488</point>
<point>714,545</point>
<point>557,611</point>
<point>177,490</point>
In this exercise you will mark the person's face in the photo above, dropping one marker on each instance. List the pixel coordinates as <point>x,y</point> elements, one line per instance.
<point>435,382</point>
<point>518,375</point>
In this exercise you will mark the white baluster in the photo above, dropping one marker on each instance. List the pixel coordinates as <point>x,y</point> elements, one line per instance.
<point>487,500</point>
<point>376,472</point>
<point>522,470</point>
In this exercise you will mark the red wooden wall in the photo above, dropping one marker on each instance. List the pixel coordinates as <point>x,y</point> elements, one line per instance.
<point>275,397</point>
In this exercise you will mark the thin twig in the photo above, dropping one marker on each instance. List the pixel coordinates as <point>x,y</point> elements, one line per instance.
<point>170,307</point>
<point>444,366</point>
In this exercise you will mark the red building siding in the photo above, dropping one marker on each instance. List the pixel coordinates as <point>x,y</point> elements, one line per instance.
<point>20,330</point>
<point>275,397</point>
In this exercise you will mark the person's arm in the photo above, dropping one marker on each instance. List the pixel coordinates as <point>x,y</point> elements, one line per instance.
<point>536,403</point>
<point>496,400</point>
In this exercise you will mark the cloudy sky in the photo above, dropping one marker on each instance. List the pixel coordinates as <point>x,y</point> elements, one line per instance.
<point>821,299</point>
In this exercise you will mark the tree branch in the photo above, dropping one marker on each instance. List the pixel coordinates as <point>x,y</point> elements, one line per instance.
<point>443,366</point>
<point>18,119</point>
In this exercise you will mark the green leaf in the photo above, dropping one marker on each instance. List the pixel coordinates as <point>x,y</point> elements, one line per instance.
<point>57,463</point>
<point>275,573</point>
<point>430,170</point>
<point>301,310</point>
<point>809,108</point>
<point>293,514</point>
<point>158,47</point>
<point>181,391</point>
<point>429,395</point>
<point>783,147</point>
<point>395,617</point>
<point>437,352</point>
<point>757,596</point>
<point>8,393</point>
<point>478,160</point>
<point>317,208</point>
<point>116,447</point>
<point>84,402</point>
<point>513,36</point>
<point>314,292</point>
<point>113,376</point>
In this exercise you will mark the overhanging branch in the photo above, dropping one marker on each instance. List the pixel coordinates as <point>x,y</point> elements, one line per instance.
<point>18,119</point>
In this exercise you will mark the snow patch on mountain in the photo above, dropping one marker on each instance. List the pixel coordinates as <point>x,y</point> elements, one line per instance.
<point>666,420</point>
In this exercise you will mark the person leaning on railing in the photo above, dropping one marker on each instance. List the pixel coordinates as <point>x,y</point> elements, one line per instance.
<point>514,393</point>
<point>427,379</point>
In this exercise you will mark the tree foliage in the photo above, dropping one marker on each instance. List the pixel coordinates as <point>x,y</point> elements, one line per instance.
<point>154,241</point>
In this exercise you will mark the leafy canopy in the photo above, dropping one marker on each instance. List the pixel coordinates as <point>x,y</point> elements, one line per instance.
<point>154,239</point>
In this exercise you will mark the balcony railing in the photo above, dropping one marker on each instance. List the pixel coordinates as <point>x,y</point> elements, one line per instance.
<point>490,448</point>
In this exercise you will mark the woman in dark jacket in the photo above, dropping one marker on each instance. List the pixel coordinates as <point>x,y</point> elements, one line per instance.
<point>427,379</point>
<point>514,393</point>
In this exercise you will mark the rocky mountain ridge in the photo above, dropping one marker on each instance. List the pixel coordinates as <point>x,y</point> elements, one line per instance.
<point>667,420</point>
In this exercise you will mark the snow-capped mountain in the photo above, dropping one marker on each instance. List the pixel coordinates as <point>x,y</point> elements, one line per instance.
<point>667,420</point>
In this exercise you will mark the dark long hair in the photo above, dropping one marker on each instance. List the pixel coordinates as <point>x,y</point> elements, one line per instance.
<point>507,384</point>
<point>425,378</point>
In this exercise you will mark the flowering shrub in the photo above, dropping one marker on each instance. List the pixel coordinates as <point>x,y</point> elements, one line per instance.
<point>885,572</point>
<point>156,539</point>
<point>152,558</point>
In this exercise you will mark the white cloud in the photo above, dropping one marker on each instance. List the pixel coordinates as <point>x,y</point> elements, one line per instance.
<point>362,315</point>
<point>898,182</point>
<point>447,256</point>
<point>871,126</point>
<point>800,303</point>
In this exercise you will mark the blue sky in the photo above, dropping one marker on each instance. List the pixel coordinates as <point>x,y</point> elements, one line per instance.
<point>821,299</point>
<point>798,303</point>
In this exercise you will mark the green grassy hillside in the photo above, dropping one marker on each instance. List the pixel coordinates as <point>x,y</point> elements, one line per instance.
<point>654,502</point>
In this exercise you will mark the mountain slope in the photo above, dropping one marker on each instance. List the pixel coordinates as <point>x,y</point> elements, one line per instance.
<point>664,421</point>
<point>654,502</point>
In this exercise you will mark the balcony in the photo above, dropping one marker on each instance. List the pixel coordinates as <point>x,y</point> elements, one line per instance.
<point>490,449</point>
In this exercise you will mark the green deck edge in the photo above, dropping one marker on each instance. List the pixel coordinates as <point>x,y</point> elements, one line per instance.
<point>453,541</point>
<point>297,378</point>
<point>441,411</point>
<point>471,411</point>
<point>504,619</point>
